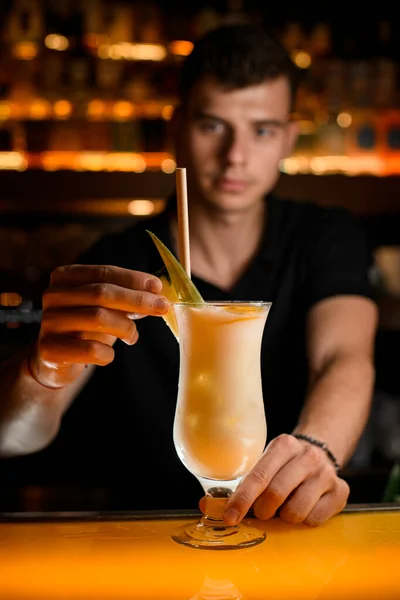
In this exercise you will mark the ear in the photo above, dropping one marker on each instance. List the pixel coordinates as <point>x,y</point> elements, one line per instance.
<point>292,134</point>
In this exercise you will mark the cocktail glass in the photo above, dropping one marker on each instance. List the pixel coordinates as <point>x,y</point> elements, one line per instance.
<point>220,428</point>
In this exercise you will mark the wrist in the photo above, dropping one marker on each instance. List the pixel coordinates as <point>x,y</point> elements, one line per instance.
<point>319,443</point>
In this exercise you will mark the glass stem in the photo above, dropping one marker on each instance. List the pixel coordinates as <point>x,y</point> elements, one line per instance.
<point>215,502</point>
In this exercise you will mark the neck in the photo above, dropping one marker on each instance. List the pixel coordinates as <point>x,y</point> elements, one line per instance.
<point>222,245</point>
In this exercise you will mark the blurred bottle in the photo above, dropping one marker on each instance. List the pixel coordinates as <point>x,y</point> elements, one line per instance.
<point>109,75</point>
<point>362,139</point>
<point>388,127</point>
<point>23,33</point>
<point>94,24</point>
<point>25,22</point>
<point>119,23</point>
<point>320,41</point>
<point>384,83</point>
<point>96,137</point>
<point>331,138</point>
<point>79,65</point>
<point>51,80</point>
<point>330,133</point>
<point>293,37</point>
<point>335,93</point>
<point>359,74</point>
<point>127,136</point>
<point>148,24</point>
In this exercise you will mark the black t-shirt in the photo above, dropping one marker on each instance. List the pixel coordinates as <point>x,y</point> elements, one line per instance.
<point>119,429</point>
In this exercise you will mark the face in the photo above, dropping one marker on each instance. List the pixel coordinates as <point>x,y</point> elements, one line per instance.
<point>232,141</point>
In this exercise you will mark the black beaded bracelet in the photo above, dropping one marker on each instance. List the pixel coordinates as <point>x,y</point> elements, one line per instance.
<point>323,445</point>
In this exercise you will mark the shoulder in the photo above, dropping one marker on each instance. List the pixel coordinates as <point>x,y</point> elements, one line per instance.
<point>331,249</point>
<point>310,221</point>
<point>301,211</point>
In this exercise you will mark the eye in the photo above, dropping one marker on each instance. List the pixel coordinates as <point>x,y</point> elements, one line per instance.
<point>211,126</point>
<point>265,132</point>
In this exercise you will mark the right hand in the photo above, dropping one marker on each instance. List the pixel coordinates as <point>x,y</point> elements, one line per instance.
<point>85,309</point>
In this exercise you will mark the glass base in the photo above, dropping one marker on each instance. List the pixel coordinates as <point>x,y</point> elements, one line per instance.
<point>208,534</point>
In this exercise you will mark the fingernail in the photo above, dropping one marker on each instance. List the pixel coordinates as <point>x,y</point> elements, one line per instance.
<point>153,285</point>
<point>231,515</point>
<point>135,316</point>
<point>132,340</point>
<point>161,304</point>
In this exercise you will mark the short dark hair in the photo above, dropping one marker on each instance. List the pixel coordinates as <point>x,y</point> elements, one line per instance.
<point>237,55</point>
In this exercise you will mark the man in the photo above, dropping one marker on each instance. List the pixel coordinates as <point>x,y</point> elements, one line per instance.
<point>68,418</point>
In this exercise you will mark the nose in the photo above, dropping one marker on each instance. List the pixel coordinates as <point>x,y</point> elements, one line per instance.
<point>235,149</point>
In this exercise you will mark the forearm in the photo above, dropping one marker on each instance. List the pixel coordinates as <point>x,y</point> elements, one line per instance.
<point>30,413</point>
<point>338,404</point>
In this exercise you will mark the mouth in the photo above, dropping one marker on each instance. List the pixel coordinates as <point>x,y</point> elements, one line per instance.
<point>229,184</point>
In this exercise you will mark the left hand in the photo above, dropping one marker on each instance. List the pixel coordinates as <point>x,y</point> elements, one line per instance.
<point>295,477</point>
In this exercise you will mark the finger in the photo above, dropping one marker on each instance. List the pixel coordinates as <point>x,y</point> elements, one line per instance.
<point>307,495</point>
<point>280,451</point>
<point>89,319</point>
<point>69,350</point>
<point>202,504</point>
<point>331,503</point>
<point>291,475</point>
<point>108,296</point>
<point>76,275</point>
<point>101,337</point>
<point>110,339</point>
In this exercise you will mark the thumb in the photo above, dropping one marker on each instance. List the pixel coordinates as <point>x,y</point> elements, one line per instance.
<point>51,374</point>
<point>202,504</point>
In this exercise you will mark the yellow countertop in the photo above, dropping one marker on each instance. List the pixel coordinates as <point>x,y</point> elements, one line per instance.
<point>355,555</point>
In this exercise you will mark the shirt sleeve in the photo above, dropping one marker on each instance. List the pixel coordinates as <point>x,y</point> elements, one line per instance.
<point>338,261</point>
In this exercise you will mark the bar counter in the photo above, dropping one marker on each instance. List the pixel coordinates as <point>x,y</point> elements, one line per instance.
<point>122,555</point>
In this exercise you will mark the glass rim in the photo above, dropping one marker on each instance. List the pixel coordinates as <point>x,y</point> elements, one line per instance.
<point>255,303</point>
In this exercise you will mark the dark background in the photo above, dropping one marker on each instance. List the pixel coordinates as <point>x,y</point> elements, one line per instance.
<point>57,196</point>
